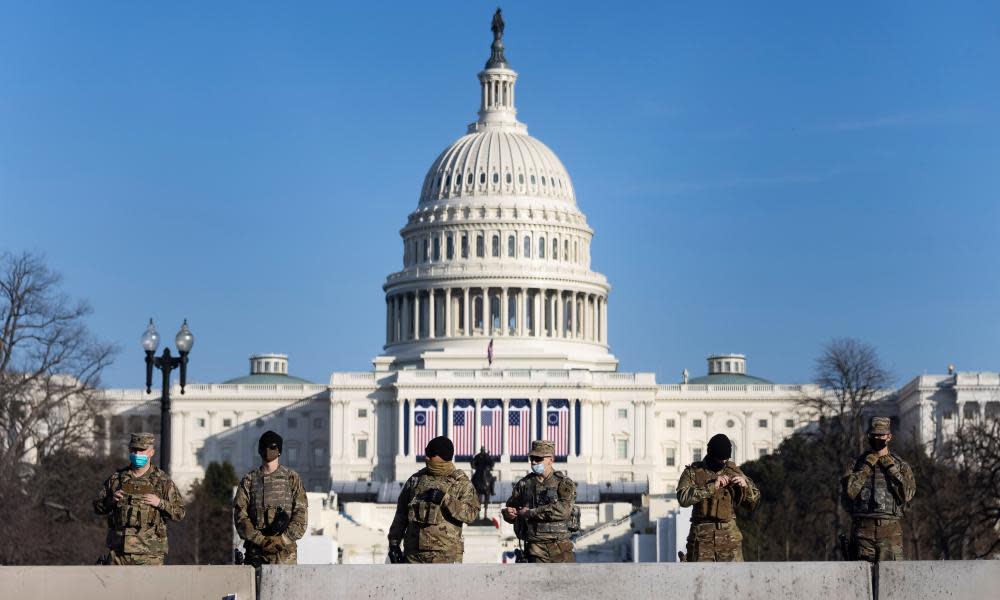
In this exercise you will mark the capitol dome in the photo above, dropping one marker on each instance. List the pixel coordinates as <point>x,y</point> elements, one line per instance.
<point>497,249</point>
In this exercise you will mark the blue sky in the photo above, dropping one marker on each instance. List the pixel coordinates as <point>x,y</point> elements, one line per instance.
<point>762,177</point>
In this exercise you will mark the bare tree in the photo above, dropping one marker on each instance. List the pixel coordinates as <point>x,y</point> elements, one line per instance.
<point>50,368</point>
<point>975,452</point>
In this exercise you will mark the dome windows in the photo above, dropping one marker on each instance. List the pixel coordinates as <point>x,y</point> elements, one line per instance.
<point>496,178</point>
<point>541,247</point>
<point>527,246</point>
<point>509,178</point>
<point>482,178</point>
<point>543,179</point>
<point>495,246</point>
<point>511,246</point>
<point>520,178</point>
<point>480,246</point>
<point>469,179</point>
<point>532,180</point>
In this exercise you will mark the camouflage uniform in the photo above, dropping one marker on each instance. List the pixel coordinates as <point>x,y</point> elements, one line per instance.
<point>546,529</point>
<point>429,532</point>
<point>137,532</point>
<point>877,489</point>
<point>714,535</point>
<point>260,497</point>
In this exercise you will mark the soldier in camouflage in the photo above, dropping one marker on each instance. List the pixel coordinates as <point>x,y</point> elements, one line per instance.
<point>877,489</point>
<point>541,507</point>
<point>432,506</point>
<point>715,487</point>
<point>270,509</point>
<point>137,500</point>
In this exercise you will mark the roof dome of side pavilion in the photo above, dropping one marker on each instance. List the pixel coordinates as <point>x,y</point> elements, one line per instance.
<point>497,249</point>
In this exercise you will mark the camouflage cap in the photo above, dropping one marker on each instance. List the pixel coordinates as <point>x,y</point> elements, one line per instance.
<point>879,426</point>
<point>543,448</point>
<point>140,441</point>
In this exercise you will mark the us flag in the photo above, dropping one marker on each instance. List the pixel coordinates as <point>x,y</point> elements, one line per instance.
<point>463,430</point>
<point>557,425</point>
<point>491,427</point>
<point>519,427</point>
<point>424,425</point>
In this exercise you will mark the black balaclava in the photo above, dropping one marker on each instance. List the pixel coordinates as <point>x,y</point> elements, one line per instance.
<point>720,449</point>
<point>269,446</point>
<point>441,447</point>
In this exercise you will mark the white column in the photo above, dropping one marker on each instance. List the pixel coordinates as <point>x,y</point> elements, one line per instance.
<point>431,307</point>
<point>388,320</point>
<point>604,320</point>
<point>572,428</point>
<point>416,315</point>
<point>522,310</point>
<point>504,316</point>
<point>399,427</point>
<point>440,415</point>
<point>465,309</point>
<point>404,321</point>
<point>539,317</point>
<point>447,312</point>
<point>504,442</point>
<point>477,405</point>
<point>559,314</point>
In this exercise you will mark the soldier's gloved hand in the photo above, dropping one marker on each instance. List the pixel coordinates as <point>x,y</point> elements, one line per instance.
<point>886,461</point>
<point>434,496</point>
<point>395,554</point>
<point>872,460</point>
<point>271,544</point>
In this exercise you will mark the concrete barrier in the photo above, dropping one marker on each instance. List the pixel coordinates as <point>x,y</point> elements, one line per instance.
<point>127,583</point>
<point>747,581</point>
<point>930,580</point>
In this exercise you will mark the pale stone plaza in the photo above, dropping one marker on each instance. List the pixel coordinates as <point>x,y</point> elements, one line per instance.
<point>496,323</point>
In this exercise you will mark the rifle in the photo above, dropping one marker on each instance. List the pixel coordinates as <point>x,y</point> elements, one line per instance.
<point>845,547</point>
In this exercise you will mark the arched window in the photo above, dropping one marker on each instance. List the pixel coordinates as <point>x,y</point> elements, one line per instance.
<point>511,246</point>
<point>576,251</point>
<point>508,179</point>
<point>527,246</point>
<point>543,179</point>
<point>465,245</point>
<point>469,179</point>
<point>482,178</point>
<point>520,178</point>
<point>447,182</point>
<point>555,249</point>
<point>496,178</point>
<point>532,180</point>
<point>495,246</point>
<point>566,250</point>
<point>450,247</point>
<point>480,246</point>
<point>425,253</point>
<point>478,317</point>
<point>541,247</point>
<point>437,249</point>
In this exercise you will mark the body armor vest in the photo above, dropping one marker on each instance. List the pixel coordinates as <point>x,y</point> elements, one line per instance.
<point>718,507</point>
<point>535,494</point>
<point>876,498</point>
<point>272,495</point>
<point>132,519</point>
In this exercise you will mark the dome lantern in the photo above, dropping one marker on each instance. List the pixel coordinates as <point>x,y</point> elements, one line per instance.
<point>496,81</point>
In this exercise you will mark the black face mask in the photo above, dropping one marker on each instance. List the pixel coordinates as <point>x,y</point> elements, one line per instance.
<point>269,454</point>
<point>877,444</point>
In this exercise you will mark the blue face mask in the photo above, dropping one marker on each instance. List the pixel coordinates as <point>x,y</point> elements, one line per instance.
<point>538,468</point>
<point>138,460</point>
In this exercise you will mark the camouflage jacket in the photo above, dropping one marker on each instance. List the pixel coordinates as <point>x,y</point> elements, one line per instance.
<point>135,527</point>
<point>551,502</point>
<point>880,491</point>
<point>697,487</point>
<point>264,501</point>
<point>423,526</point>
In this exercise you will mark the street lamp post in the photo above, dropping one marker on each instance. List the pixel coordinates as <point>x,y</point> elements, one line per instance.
<point>166,363</point>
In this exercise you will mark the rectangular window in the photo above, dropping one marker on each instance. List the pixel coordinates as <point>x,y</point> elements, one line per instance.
<point>696,455</point>
<point>622,413</point>
<point>201,422</point>
<point>362,448</point>
<point>527,246</point>
<point>293,423</point>
<point>762,423</point>
<point>450,247</point>
<point>762,452</point>
<point>622,448</point>
<point>319,455</point>
<point>480,247</point>
<point>437,249</point>
<point>696,423</point>
<point>362,413</point>
<point>671,423</point>
<point>789,423</point>
<point>227,422</point>
<point>465,245</point>
<point>292,455</point>
<point>671,457</point>
<point>947,415</point>
<point>555,249</point>
<point>511,246</point>
<point>495,246</point>
<point>425,252</point>
<point>541,247</point>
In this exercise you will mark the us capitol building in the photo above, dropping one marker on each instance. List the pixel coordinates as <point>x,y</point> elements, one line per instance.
<point>498,249</point>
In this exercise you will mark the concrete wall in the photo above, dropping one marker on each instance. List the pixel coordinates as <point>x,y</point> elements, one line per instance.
<point>747,581</point>
<point>930,580</point>
<point>127,583</point>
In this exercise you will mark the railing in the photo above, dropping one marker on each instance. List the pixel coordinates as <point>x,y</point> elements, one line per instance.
<point>731,387</point>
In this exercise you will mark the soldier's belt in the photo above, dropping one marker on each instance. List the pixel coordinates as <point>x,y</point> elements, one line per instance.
<point>715,524</point>
<point>873,522</point>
